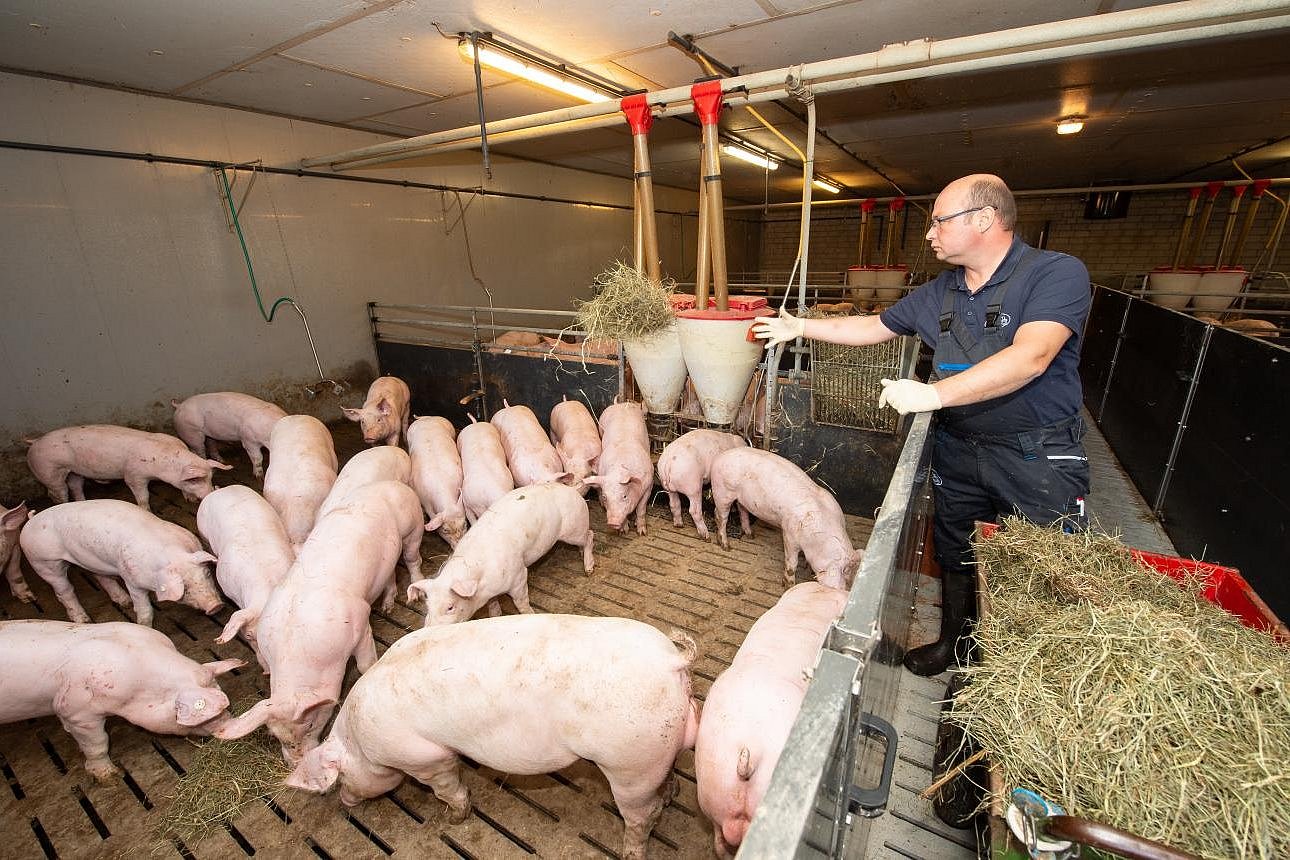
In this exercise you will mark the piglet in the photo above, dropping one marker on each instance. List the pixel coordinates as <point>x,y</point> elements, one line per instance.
<point>529,453</point>
<point>382,463</point>
<point>521,695</point>
<point>485,477</point>
<point>302,469</point>
<point>752,705</point>
<point>227,416</point>
<point>624,472</point>
<point>494,556</point>
<point>254,553</point>
<point>84,673</point>
<point>437,475</point>
<point>318,617</point>
<point>11,523</point>
<point>385,413</point>
<point>576,438</point>
<point>777,491</point>
<point>111,538</point>
<point>684,467</point>
<point>63,459</point>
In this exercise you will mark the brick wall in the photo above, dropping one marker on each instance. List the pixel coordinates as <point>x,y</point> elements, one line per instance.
<point>1111,249</point>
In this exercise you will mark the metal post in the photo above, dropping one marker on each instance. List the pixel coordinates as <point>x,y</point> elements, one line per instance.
<point>479,102</point>
<point>478,348</point>
<point>1193,383</point>
<point>1115,356</point>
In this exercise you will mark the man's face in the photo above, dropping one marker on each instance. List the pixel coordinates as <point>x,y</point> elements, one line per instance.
<point>951,237</point>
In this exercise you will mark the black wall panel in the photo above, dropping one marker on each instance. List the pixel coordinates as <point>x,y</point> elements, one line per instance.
<point>1098,349</point>
<point>1229,497</point>
<point>1148,389</point>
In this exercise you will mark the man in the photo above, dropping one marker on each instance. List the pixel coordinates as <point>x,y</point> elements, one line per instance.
<point>1005,324</point>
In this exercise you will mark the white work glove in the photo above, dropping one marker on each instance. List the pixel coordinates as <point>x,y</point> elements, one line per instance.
<point>780,329</point>
<point>908,395</point>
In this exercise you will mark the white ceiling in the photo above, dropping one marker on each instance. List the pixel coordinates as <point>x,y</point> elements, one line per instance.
<point>1170,113</point>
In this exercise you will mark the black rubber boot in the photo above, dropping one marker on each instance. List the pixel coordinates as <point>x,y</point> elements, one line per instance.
<point>956,608</point>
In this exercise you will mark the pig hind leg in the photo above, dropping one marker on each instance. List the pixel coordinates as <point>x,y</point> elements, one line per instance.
<point>674,502</point>
<point>723,514</point>
<point>76,484</point>
<point>256,455</point>
<point>696,514</point>
<point>192,435</point>
<point>55,484</point>
<point>55,573</point>
<point>442,773</point>
<point>365,651</point>
<point>640,799</point>
<point>745,522</point>
<point>92,738</point>
<point>412,553</point>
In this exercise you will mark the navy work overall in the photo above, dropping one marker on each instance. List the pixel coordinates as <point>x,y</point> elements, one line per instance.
<point>988,459</point>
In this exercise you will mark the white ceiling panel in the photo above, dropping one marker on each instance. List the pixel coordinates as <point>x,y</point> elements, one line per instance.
<point>115,42</point>
<point>285,87</point>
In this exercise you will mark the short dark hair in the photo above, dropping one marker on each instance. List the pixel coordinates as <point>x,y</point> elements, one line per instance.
<point>993,192</point>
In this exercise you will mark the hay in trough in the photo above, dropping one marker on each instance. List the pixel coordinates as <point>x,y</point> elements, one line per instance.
<point>224,778</point>
<point>626,305</point>
<point>1127,699</point>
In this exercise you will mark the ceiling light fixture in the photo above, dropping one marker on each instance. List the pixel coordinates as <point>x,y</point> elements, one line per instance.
<point>760,159</point>
<point>502,57</point>
<point>826,185</point>
<point>1070,124</point>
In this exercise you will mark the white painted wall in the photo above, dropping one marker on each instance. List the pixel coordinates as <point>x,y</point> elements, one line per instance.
<point>123,286</point>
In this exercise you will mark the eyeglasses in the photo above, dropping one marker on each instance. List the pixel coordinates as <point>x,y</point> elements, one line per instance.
<point>938,220</point>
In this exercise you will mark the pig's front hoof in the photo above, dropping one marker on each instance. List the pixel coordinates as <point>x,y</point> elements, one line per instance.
<point>102,771</point>
<point>24,594</point>
<point>458,814</point>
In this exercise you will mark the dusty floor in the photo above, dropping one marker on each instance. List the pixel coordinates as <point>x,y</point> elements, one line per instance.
<point>670,578</point>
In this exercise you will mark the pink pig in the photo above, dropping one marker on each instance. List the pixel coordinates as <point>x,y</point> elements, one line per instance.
<point>576,438</point>
<point>437,475</point>
<point>318,617</point>
<point>382,463</point>
<point>111,538</point>
<point>227,416</point>
<point>524,694</point>
<point>624,472</point>
<point>11,523</point>
<point>385,413</point>
<point>494,556</point>
<point>778,492</point>
<point>485,477</point>
<point>254,553</point>
<point>684,467</point>
<point>529,453</point>
<point>302,469</point>
<point>752,705</point>
<point>63,459</point>
<point>84,673</point>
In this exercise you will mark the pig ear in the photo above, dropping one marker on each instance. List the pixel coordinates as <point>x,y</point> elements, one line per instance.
<point>219,667</point>
<point>383,406</point>
<point>419,589</point>
<point>196,706</point>
<point>592,480</point>
<point>192,470</point>
<point>216,464</point>
<point>241,726</point>
<point>203,557</point>
<point>465,587</point>
<point>352,414</point>
<point>170,586</point>
<point>14,516</point>
<point>318,770</point>
<point>623,476</point>
<point>436,521</point>
<point>307,708</point>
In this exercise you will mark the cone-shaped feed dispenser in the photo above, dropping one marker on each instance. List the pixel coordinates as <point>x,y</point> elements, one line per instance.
<point>1181,282</point>
<point>719,354</point>
<point>658,366</point>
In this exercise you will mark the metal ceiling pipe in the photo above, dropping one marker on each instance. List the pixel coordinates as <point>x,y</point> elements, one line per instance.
<point>1191,19</point>
<point>1030,192</point>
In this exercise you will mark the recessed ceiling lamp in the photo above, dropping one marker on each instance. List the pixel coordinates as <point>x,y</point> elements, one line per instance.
<point>757,158</point>
<point>1070,124</point>
<point>825,185</point>
<point>554,76</point>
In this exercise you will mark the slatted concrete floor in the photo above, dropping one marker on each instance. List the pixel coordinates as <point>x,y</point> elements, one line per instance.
<point>669,578</point>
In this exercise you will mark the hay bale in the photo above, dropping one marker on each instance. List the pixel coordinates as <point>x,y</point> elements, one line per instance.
<point>1127,699</point>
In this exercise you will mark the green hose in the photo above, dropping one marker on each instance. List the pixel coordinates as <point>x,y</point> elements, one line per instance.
<point>246,255</point>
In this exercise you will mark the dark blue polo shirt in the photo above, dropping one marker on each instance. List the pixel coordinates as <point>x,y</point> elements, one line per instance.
<point>1055,289</point>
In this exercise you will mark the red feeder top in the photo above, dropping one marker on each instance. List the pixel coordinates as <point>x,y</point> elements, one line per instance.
<point>638,113</point>
<point>741,308</point>
<point>707,101</point>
